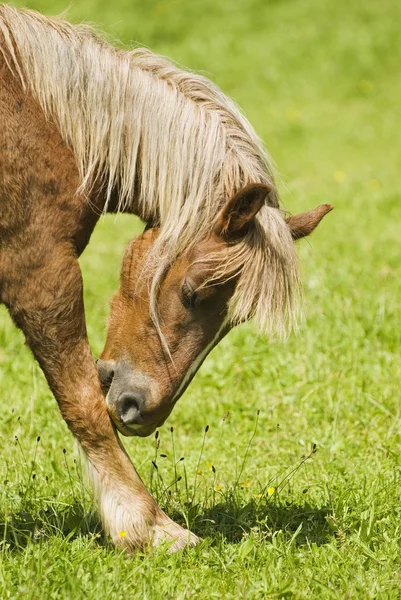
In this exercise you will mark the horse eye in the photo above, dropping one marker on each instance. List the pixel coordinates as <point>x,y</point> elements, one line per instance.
<point>188,294</point>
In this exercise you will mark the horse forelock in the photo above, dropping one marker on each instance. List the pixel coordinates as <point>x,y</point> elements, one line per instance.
<point>164,137</point>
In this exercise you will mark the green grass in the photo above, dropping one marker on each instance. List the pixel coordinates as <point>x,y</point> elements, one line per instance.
<point>320,82</point>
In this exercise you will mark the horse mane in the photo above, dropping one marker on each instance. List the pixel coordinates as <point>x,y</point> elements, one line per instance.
<point>166,139</point>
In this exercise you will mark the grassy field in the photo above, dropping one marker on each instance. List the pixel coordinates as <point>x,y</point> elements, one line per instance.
<point>321,83</point>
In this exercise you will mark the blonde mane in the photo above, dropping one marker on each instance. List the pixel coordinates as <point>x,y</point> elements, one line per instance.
<point>164,138</point>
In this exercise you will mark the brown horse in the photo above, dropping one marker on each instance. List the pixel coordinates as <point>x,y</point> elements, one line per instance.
<point>87,128</point>
<point>145,377</point>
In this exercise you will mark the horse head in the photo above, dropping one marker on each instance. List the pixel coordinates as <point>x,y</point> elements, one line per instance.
<point>146,365</point>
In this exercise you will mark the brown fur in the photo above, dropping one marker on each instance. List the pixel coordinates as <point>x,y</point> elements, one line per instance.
<point>303,224</point>
<point>193,299</point>
<point>133,338</point>
<point>44,226</point>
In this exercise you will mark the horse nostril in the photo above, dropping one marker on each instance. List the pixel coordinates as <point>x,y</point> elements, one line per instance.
<point>129,409</point>
<point>106,373</point>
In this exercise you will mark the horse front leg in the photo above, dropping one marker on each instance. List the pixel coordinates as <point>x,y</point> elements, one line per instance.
<point>48,307</point>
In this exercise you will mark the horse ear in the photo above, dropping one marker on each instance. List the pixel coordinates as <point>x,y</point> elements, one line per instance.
<point>303,224</point>
<point>236,217</point>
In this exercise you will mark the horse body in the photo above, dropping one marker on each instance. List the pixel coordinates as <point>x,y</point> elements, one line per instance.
<point>77,140</point>
<point>44,226</point>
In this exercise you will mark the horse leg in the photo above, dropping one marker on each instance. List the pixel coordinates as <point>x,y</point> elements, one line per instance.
<point>48,306</point>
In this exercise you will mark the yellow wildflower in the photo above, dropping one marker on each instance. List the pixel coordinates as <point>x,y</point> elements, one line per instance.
<point>292,115</point>
<point>374,184</point>
<point>340,176</point>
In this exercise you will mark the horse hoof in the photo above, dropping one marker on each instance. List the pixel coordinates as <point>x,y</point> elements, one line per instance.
<point>176,536</point>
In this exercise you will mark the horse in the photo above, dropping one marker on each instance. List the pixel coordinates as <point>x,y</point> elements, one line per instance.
<point>87,128</point>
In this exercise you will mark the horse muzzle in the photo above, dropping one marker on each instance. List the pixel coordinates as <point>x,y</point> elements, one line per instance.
<point>129,398</point>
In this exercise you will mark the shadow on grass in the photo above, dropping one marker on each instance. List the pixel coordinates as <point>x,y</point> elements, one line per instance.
<point>229,520</point>
<point>69,522</point>
<point>234,521</point>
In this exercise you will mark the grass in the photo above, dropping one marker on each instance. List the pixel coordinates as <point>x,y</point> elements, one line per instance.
<point>319,81</point>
